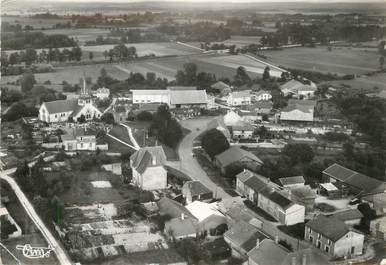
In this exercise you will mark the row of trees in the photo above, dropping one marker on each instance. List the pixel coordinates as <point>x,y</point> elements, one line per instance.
<point>30,55</point>
<point>38,40</point>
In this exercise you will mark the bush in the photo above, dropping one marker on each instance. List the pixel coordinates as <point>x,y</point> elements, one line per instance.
<point>144,116</point>
<point>214,142</point>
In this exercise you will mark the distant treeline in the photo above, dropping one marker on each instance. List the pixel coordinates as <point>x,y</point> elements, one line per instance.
<point>37,40</point>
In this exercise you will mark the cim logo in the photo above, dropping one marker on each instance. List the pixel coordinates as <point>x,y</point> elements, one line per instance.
<point>35,252</point>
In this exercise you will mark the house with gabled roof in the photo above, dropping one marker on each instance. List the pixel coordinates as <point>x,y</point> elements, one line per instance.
<point>239,98</point>
<point>236,155</point>
<point>298,111</point>
<point>194,190</point>
<point>242,237</point>
<point>269,252</point>
<point>79,139</point>
<point>369,189</point>
<point>292,181</point>
<point>298,88</point>
<point>262,95</point>
<point>222,88</point>
<point>147,165</point>
<point>350,217</point>
<point>63,110</point>
<point>333,237</point>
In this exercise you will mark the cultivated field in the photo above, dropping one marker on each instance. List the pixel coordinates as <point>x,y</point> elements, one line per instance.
<point>223,66</point>
<point>37,23</point>
<point>72,74</point>
<point>339,61</point>
<point>239,41</point>
<point>364,83</point>
<point>82,35</point>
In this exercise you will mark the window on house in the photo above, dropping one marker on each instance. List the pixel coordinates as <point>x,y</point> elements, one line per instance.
<point>352,250</point>
<point>319,236</point>
<point>56,115</point>
<point>319,244</point>
<point>327,249</point>
<point>81,145</point>
<point>328,242</point>
<point>311,239</point>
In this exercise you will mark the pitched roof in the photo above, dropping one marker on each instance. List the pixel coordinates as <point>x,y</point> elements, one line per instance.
<point>148,157</point>
<point>182,227</point>
<point>235,154</point>
<point>279,199</point>
<point>257,184</point>
<point>306,106</point>
<point>330,227</point>
<point>294,86</point>
<point>292,180</point>
<point>150,91</point>
<point>182,88</point>
<point>218,123</point>
<point>196,187</point>
<point>241,94</point>
<point>357,180</point>
<point>262,92</point>
<point>347,215</point>
<point>201,210</point>
<point>172,208</point>
<point>242,126</point>
<point>263,104</point>
<point>220,86</point>
<point>59,106</point>
<point>268,253</point>
<point>244,175</point>
<point>188,97</point>
<point>244,235</point>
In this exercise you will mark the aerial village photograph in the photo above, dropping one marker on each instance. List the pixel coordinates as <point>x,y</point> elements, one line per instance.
<point>193,132</point>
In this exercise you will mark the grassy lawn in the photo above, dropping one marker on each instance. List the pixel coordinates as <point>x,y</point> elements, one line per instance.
<point>140,131</point>
<point>121,133</point>
<point>82,191</point>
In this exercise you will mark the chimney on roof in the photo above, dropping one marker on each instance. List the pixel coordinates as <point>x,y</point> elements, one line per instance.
<point>293,260</point>
<point>304,259</point>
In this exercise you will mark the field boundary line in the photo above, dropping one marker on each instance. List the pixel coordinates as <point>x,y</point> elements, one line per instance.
<point>266,63</point>
<point>190,46</point>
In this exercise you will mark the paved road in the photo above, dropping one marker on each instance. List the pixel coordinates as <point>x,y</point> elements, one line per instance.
<point>188,164</point>
<point>59,251</point>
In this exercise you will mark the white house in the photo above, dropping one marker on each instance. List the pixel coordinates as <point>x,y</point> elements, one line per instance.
<point>151,96</point>
<point>148,169</point>
<point>262,95</point>
<point>242,131</point>
<point>102,93</point>
<point>239,98</point>
<point>298,111</point>
<point>333,237</point>
<point>232,118</point>
<point>62,110</point>
<point>79,139</point>
<point>299,89</point>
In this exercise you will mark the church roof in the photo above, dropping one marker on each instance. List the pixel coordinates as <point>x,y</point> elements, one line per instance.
<point>59,106</point>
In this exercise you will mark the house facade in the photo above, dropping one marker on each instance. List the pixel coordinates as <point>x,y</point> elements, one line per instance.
<point>239,98</point>
<point>262,95</point>
<point>148,168</point>
<point>79,140</point>
<point>242,131</point>
<point>333,237</point>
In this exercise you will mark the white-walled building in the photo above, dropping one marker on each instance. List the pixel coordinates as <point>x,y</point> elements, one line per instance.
<point>239,98</point>
<point>262,95</point>
<point>102,93</point>
<point>79,139</point>
<point>62,110</point>
<point>151,96</point>
<point>148,169</point>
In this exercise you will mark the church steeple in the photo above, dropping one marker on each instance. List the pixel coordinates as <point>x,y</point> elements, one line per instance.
<point>85,97</point>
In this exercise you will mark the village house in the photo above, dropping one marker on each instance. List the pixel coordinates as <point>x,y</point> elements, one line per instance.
<point>147,165</point>
<point>239,98</point>
<point>242,131</point>
<point>368,189</point>
<point>232,118</point>
<point>298,89</point>
<point>263,107</point>
<point>262,95</point>
<point>242,237</point>
<point>151,96</point>
<point>302,195</point>
<point>180,222</point>
<point>265,194</point>
<point>248,116</point>
<point>79,139</point>
<point>102,93</point>
<point>350,217</point>
<point>194,190</point>
<point>333,237</point>
<point>63,110</point>
<point>268,252</point>
<point>378,228</point>
<point>210,219</point>
<point>329,190</point>
<point>298,111</point>
<point>237,156</point>
<point>291,182</point>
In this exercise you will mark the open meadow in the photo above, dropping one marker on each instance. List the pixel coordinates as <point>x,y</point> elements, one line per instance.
<point>339,61</point>
<point>36,23</point>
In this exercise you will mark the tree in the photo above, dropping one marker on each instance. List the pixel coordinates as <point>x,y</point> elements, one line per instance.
<point>108,118</point>
<point>27,82</point>
<point>105,54</point>
<point>241,77</point>
<point>299,153</point>
<point>266,74</point>
<point>214,142</point>
<point>22,175</point>
<point>82,119</point>
<point>90,55</point>
<point>144,116</point>
<point>30,56</point>
<point>77,53</point>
